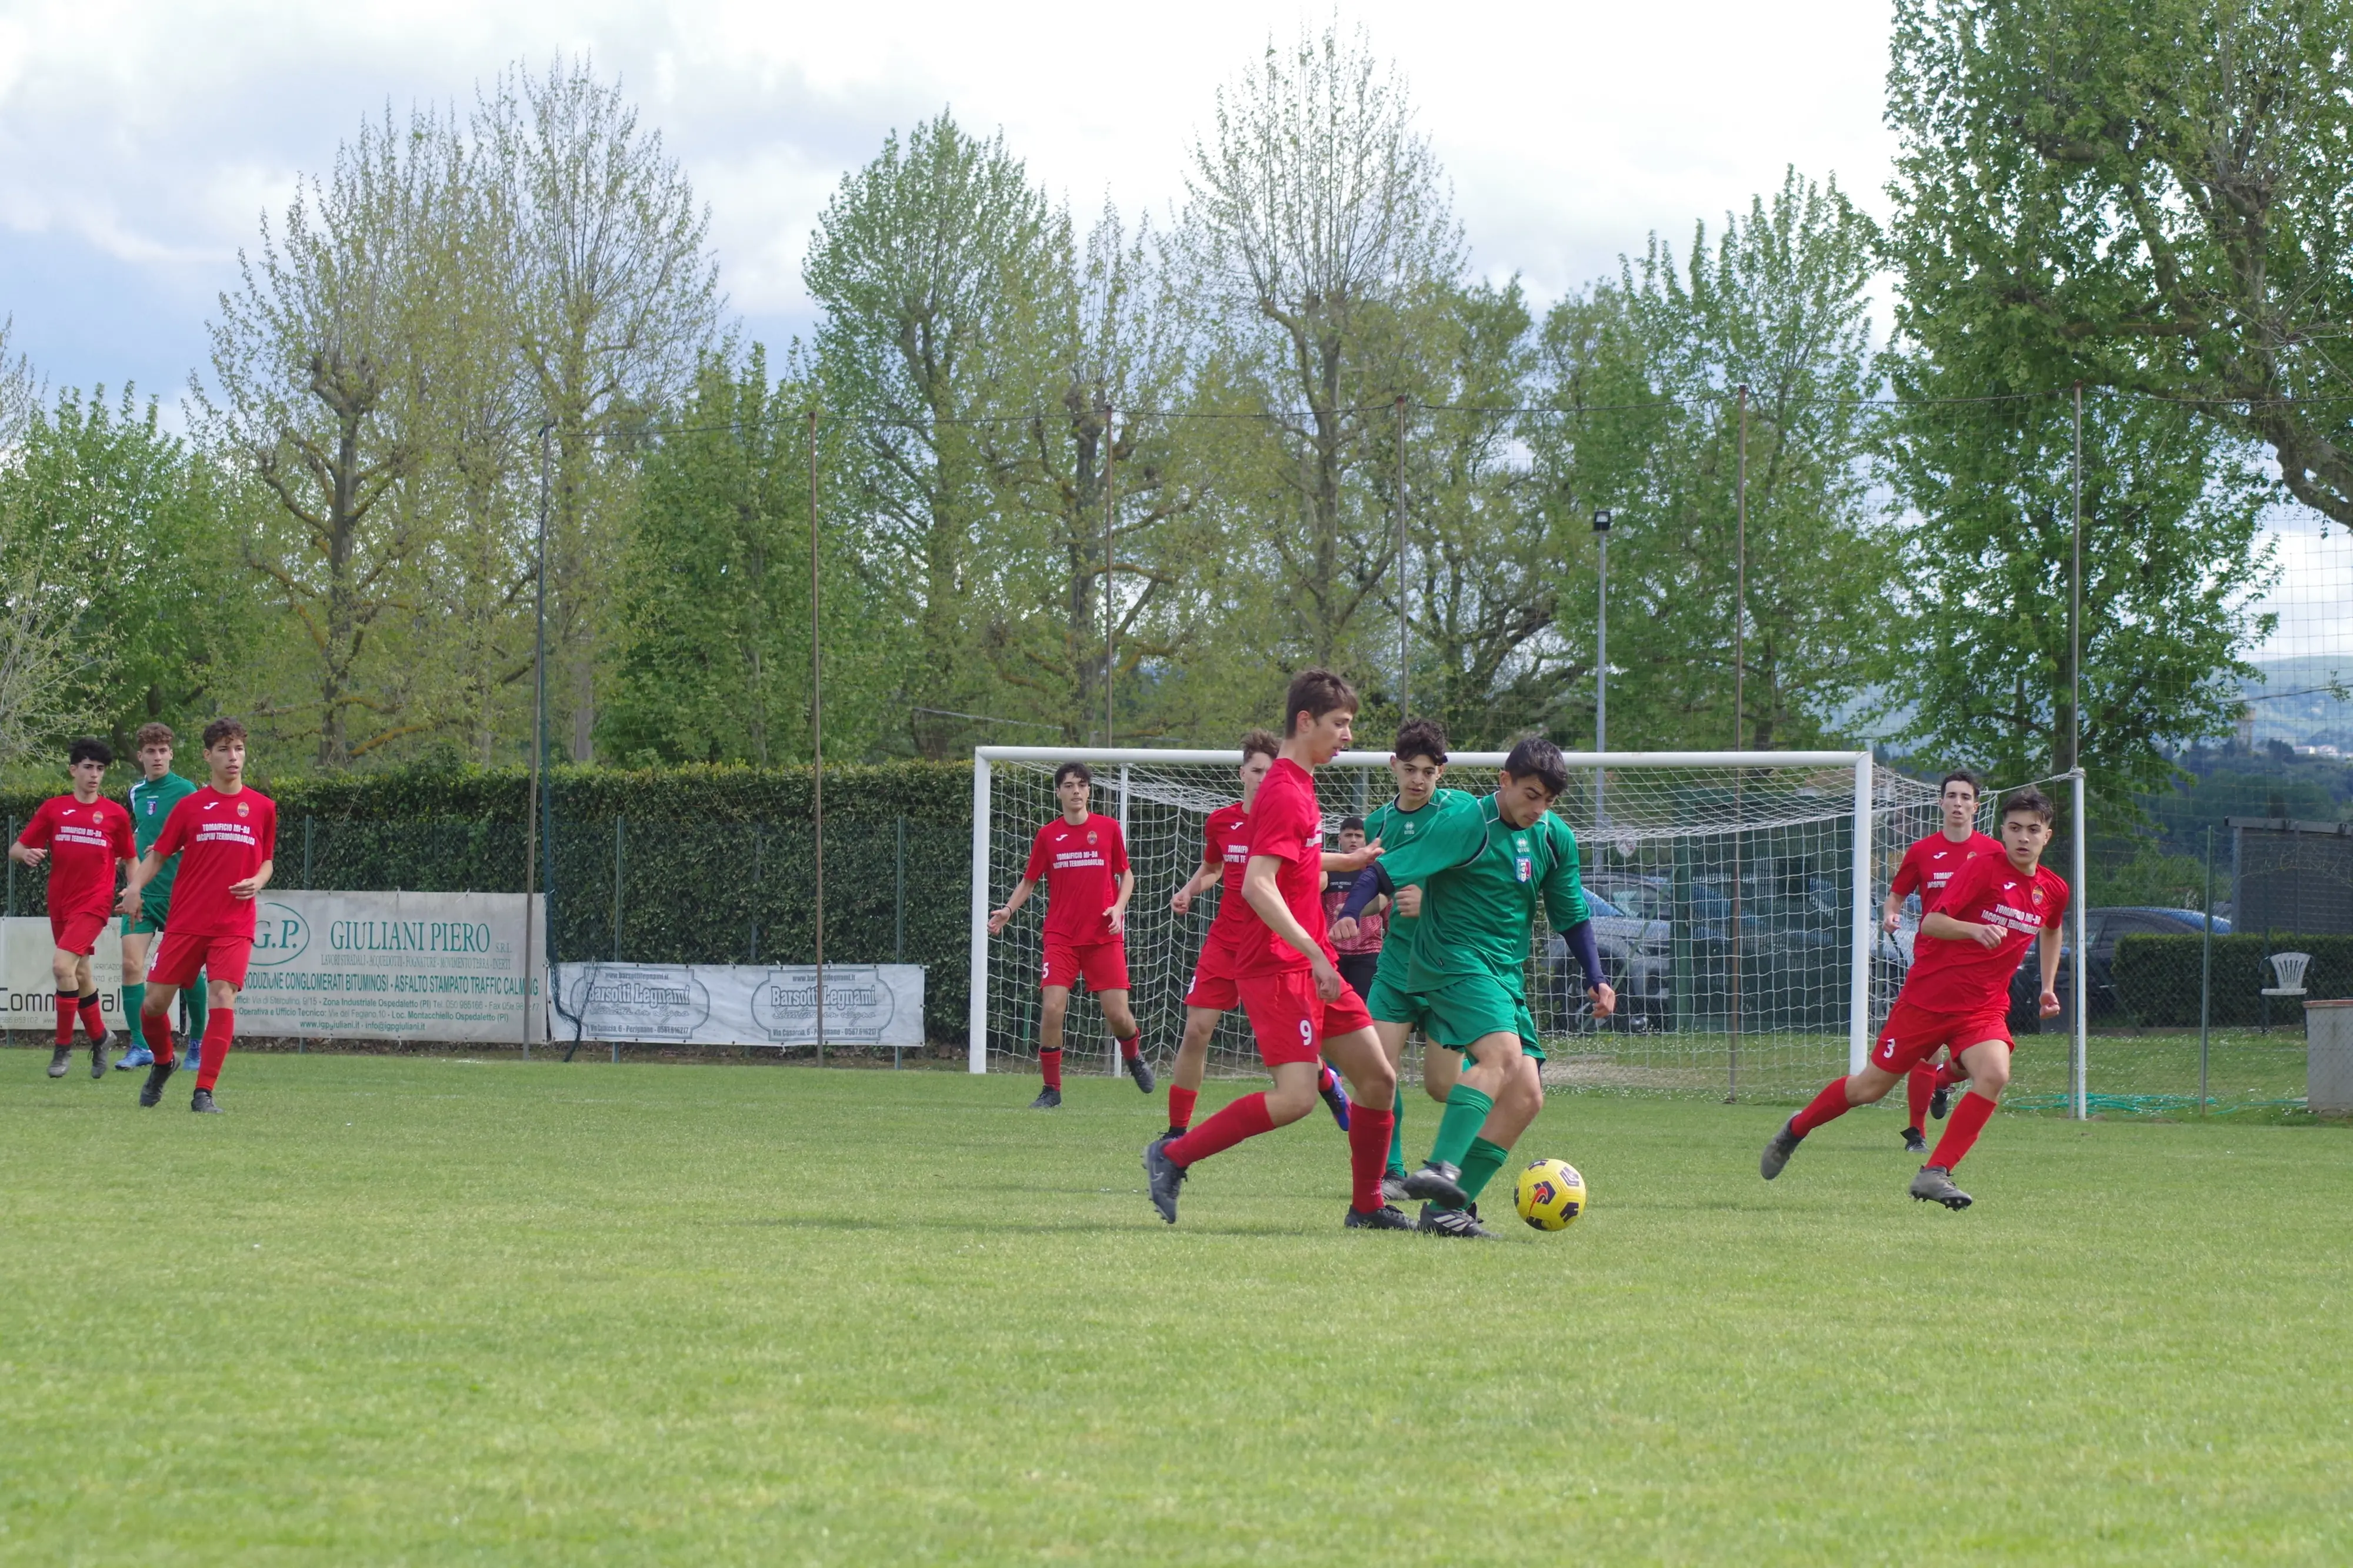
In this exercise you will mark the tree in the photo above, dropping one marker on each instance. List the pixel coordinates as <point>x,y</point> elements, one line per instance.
<point>2155,197</point>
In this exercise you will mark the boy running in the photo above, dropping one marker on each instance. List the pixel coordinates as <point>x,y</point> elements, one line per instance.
<point>1084,857</point>
<point>1957,995</point>
<point>1286,977</point>
<point>1485,865</point>
<point>228,836</point>
<point>1225,855</point>
<point>1928,867</point>
<point>157,790</point>
<point>81,836</point>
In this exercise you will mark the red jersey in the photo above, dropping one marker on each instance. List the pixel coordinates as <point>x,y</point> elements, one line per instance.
<point>84,842</point>
<point>220,839</point>
<point>1081,867</point>
<point>1287,823</point>
<point>1930,864</point>
<point>1962,977</point>
<point>1227,838</point>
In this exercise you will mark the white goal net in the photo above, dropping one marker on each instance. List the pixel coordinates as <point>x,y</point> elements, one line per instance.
<point>1735,905</point>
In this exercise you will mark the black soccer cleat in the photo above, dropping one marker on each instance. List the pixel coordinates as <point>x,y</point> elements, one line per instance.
<point>1934,1185</point>
<point>1784,1143</point>
<point>1438,1183</point>
<point>1941,1101</point>
<point>1141,1071</point>
<point>59,1059</point>
<point>1393,1187</point>
<point>1048,1100</point>
<point>1388,1216</point>
<point>202,1102</point>
<point>151,1092</point>
<point>1914,1142</point>
<point>1161,1177</point>
<point>1457,1222</point>
<point>97,1056</point>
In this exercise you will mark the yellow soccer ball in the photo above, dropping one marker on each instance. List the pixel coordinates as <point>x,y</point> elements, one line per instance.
<point>1551,1195</point>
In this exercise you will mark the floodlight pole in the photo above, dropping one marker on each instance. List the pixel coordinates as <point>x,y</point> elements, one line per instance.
<point>1739,661</point>
<point>1405,675</point>
<point>1602,664</point>
<point>817,736</point>
<point>538,748</point>
<point>2080,1034</point>
<point>1109,621</point>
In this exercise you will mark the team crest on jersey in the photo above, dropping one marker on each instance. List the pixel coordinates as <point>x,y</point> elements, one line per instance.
<point>1091,835</point>
<point>1523,868</point>
<point>243,809</point>
<point>2038,895</point>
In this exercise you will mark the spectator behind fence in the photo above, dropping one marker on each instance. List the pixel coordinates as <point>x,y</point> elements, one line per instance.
<point>1361,953</point>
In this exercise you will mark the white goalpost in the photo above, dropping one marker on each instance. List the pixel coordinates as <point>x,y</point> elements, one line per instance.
<point>1738,897</point>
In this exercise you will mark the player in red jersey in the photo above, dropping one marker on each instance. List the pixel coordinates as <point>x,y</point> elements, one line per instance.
<point>226,839</point>
<point>1083,857</point>
<point>1225,853</point>
<point>81,836</point>
<point>1288,979</point>
<point>1927,866</point>
<point>1957,995</point>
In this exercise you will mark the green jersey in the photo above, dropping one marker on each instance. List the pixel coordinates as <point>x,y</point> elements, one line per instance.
<point>1481,879</point>
<point>152,801</point>
<point>1396,827</point>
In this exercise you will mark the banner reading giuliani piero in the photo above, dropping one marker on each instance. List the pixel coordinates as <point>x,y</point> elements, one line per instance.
<point>740,1003</point>
<point>393,967</point>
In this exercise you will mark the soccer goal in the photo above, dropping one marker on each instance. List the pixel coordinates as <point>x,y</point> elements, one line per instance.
<point>1737,903</point>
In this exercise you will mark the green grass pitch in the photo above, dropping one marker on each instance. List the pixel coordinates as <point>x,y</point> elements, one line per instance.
<point>421,1310</point>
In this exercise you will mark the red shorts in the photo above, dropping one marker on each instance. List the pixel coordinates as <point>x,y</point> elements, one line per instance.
<point>1914,1033</point>
<point>1213,976</point>
<point>1103,964</point>
<point>1292,1022</point>
<point>179,958</point>
<point>76,933</point>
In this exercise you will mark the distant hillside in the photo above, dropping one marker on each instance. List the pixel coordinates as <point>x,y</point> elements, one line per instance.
<point>2305,701</point>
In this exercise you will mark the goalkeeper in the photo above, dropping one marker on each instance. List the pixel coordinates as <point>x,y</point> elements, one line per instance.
<point>1483,865</point>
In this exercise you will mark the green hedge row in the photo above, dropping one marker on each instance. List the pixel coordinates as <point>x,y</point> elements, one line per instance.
<point>705,865</point>
<point>2158,978</point>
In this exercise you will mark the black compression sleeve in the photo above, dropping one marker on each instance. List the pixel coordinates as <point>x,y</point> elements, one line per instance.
<point>1371,883</point>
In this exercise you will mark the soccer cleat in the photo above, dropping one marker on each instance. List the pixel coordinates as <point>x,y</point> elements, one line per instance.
<point>202,1101</point>
<point>136,1056</point>
<point>1459,1222</point>
<point>1941,1101</point>
<point>1934,1185</point>
<point>1336,1100</point>
<point>1778,1151</point>
<point>1163,1176</point>
<point>1913,1142</point>
<point>59,1059</point>
<point>190,1052</point>
<point>1141,1071</point>
<point>1393,1187</point>
<point>98,1058</point>
<point>1388,1216</point>
<point>152,1091</point>
<point>1048,1100</point>
<point>1438,1183</point>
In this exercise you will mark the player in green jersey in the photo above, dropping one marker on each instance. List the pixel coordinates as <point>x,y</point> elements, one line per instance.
<point>1418,762</point>
<point>156,791</point>
<point>1484,865</point>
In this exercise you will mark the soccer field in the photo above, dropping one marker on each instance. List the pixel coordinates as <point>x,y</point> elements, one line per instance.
<point>423,1311</point>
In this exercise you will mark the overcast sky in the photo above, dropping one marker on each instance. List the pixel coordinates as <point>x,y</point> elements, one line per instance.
<point>143,141</point>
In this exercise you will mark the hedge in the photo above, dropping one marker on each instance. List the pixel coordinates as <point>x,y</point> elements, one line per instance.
<point>2157,978</point>
<point>716,863</point>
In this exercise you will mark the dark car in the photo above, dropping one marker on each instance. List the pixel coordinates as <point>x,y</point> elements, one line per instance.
<point>2103,930</point>
<point>1634,956</point>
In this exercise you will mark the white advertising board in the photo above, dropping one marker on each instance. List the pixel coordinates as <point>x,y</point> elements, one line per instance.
<point>26,946</point>
<point>740,1003</point>
<point>390,966</point>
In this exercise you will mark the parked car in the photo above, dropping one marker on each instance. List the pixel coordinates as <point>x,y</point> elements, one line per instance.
<point>1635,956</point>
<point>2102,929</point>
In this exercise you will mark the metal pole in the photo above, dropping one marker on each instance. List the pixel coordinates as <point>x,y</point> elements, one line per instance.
<point>2206,973</point>
<point>1110,615</point>
<point>618,852</point>
<point>1861,940</point>
<point>2075,607</point>
<point>12,871</point>
<point>817,736</point>
<point>2076,984</point>
<point>538,745</point>
<point>1739,661</point>
<point>976,1013</point>
<point>899,897</point>
<point>1405,676</point>
<point>1601,669</point>
<point>310,827</point>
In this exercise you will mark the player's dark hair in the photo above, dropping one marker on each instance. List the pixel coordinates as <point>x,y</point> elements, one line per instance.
<point>2030,800</point>
<point>1260,744</point>
<point>1420,738</point>
<point>89,749</point>
<point>1315,692</point>
<point>1959,775</point>
<point>1537,758</point>
<point>1067,769</point>
<point>221,730</point>
<point>153,734</point>
<point>1356,823</point>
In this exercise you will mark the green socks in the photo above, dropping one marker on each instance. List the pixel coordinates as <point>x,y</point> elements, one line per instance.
<point>1397,1134</point>
<point>1466,1112</point>
<point>193,998</point>
<point>133,996</point>
<point>1480,1166</point>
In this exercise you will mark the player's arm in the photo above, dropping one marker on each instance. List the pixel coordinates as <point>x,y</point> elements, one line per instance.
<point>1118,910</point>
<point>1946,928</point>
<point>1355,860</point>
<point>2052,937</point>
<point>32,846</point>
<point>1004,912</point>
<point>1205,877</point>
<point>1261,891</point>
<point>1907,877</point>
<point>1565,907</point>
<point>144,871</point>
<point>251,886</point>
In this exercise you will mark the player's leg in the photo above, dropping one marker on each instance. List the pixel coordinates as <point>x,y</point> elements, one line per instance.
<point>63,973</point>
<point>1911,1035</point>
<point>1053,1006</point>
<point>1919,1089</point>
<point>136,941</point>
<point>1192,1064</point>
<point>194,1004</point>
<point>1359,1054</point>
<point>225,973</point>
<point>1988,1065</point>
<point>1393,1035</point>
<point>93,1019</point>
<point>165,976</point>
<point>1481,1015</point>
<point>1286,1017</point>
<point>1120,1019</point>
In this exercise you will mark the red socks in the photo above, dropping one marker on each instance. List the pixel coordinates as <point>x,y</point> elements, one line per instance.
<point>1919,1085</point>
<point>1132,1048</point>
<point>156,1028</point>
<point>1048,1062</point>
<point>1245,1117</point>
<point>219,1025</point>
<point>1828,1106</point>
<point>1950,1074</point>
<point>1324,1079</point>
<point>1368,1154</point>
<point>67,1001</point>
<point>1970,1118</point>
<point>1180,1107</point>
<point>93,1021</point>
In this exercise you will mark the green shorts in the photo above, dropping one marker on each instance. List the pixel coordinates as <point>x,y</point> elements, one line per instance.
<point>1469,1008</point>
<point>149,920</point>
<point>1393,1004</point>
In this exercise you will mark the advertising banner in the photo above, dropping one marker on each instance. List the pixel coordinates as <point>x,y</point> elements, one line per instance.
<point>740,1003</point>
<point>390,966</point>
<point>26,946</point>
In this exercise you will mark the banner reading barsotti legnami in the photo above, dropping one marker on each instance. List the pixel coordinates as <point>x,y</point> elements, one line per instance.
<point>391,966</point>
